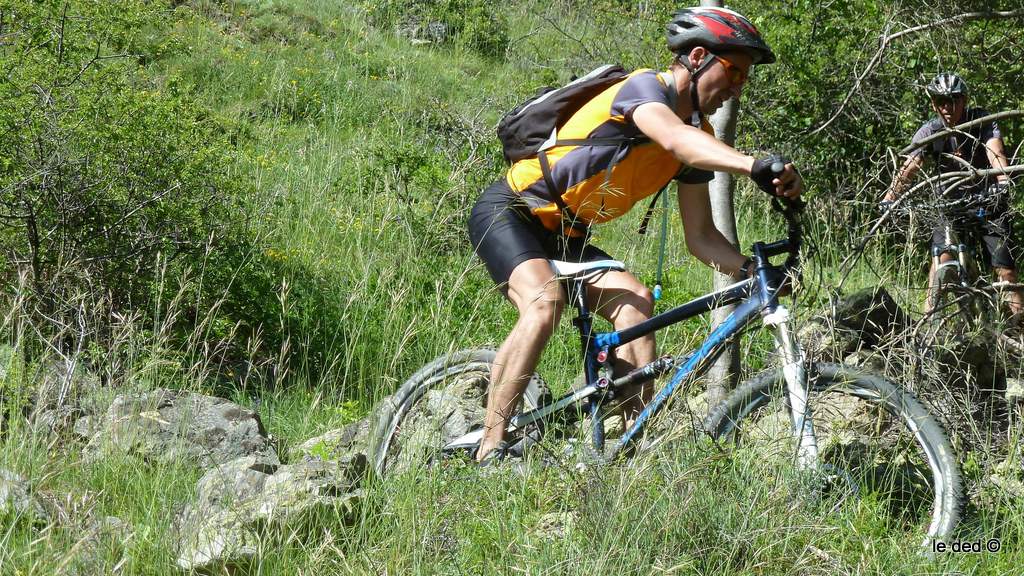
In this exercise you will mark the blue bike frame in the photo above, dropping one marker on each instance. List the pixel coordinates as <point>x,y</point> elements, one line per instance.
<point>755,296</point>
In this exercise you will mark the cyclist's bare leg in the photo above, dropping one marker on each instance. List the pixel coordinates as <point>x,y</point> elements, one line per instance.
<point>1014,299</point>
<point>625,302</point>
<point>537,294</point>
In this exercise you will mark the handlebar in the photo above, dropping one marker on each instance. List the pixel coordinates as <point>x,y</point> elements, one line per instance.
<point>976,204</point>
<point>790,210</point>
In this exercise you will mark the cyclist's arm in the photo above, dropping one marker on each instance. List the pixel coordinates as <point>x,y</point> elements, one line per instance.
<point>694,147</point>
<point>997,157</point>
<point>691,146</point>
<point>703,240</point>
<point>904,176</point>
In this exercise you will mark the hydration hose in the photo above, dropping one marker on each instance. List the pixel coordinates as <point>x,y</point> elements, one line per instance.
<point>661,247</point>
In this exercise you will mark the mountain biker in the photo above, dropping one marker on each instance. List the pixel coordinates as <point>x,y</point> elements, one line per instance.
<point>515,228</point>
<point>980,147</point>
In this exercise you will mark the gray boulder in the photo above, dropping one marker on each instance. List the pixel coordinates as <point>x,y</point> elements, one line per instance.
<point>863,319</point>
<point>175,426</point>
<point>344,444</point>
<point>18,501</point>
<point>101,546</point>
<point>62,392</point>
<point>244,504</point>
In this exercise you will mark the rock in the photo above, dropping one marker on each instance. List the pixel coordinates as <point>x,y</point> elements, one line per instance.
<point>866,360</point>
<point>296,489</point>
<point>174,426</point>
<point>63,392</point>
<point>1015,389</point>
<point>863,319</point>
<point>220,538</point>
<point>340,444</point>
<point>420,31</point>
<point>61,383</point>
<point>17,500</point>
<point>85,427</point>
<point>6,357</point>
<point>823,338</point>
<point>555,526</point>
<point>233,481</point>
<point>241,505</point>
<point>872,313</point>
<point>104,539</point>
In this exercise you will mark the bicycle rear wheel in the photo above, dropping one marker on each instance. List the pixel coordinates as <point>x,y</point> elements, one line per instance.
<point>442,401</point>
<point>874,439</point>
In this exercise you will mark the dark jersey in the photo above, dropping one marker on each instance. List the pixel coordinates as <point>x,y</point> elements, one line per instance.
<point>950,152</point>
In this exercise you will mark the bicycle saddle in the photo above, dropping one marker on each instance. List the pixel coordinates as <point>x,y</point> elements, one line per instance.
<point>575,270</point>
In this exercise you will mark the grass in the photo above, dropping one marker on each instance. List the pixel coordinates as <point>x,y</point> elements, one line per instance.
<point>372,150</point>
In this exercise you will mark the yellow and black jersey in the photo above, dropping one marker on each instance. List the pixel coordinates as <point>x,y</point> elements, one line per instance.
<point>580,173</point>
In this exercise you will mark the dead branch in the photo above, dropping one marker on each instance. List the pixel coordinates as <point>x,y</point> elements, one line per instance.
<point>960,128</point>
<point>887,39</point>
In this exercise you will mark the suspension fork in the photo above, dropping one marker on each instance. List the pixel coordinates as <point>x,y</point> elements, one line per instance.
<point>794,370</point>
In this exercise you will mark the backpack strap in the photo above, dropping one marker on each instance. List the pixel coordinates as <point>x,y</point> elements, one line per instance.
<point>670,85</point>
<point>569,218</point>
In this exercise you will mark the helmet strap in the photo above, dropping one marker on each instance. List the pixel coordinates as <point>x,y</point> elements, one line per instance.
<point>696,116</point>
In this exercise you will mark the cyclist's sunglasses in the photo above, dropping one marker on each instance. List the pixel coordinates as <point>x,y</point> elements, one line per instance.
<point>737,76</point>
<point>943,100</point>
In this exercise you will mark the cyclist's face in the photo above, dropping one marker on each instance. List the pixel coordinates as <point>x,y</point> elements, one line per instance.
<point>949,109</point>
<point>723,80</point>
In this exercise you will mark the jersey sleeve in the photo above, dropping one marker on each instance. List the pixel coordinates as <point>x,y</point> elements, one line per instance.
<point>923,132</point>
<point>690,175</point>
<point>989,130</point>
<point>639,89</point>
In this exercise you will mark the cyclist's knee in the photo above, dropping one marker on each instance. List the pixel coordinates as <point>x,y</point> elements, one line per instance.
<point>542,310</point>
<point>634,308</point>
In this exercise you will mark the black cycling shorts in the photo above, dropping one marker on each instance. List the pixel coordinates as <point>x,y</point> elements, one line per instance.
<point>995,237</point>
<point>504,233</point>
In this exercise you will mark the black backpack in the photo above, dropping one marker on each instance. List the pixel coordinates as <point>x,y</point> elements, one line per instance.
<point>532,127</point>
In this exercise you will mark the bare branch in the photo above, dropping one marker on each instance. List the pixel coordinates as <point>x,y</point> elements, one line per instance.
<point>960,128</point>
<point>582,44</point>
<point>884,42</point>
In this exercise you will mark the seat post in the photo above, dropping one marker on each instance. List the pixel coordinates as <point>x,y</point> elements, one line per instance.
<point>577,290</point>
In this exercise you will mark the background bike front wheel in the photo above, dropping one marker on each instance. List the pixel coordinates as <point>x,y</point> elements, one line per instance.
<point>876,443</point>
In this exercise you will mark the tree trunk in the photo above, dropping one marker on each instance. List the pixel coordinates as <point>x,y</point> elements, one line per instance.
<point>724,374</point>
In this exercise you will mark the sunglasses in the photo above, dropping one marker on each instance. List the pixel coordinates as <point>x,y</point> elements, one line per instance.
<point>944,100</point>
<point>737,76</point>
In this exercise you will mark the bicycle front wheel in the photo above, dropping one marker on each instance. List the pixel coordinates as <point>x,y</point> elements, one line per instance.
<point>442,401</point>
<point>875,440</point>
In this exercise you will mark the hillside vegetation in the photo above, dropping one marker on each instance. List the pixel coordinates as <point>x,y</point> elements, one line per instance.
<point>265,200</point>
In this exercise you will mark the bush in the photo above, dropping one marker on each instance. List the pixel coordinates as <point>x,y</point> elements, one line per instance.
<point>472,24</point>
<point>106,178</point>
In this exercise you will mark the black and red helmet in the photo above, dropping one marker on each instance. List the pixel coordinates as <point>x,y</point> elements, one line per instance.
<point>718,30</point>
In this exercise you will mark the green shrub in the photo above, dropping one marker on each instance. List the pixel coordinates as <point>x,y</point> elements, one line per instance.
<point>106,178</point>
<point>477,25</point>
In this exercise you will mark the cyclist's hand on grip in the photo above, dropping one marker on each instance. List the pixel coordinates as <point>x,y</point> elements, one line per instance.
<point>776,176</point>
